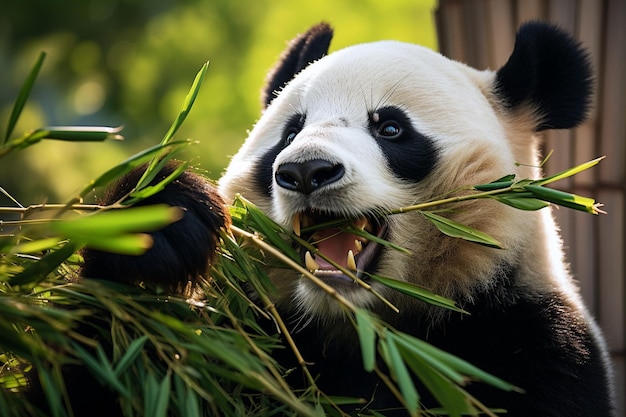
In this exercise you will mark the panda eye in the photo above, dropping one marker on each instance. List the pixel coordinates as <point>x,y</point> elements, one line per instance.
<point>293,126</point>
<point>389,129</point>
<point>389,123</point>
<point>290,135</point>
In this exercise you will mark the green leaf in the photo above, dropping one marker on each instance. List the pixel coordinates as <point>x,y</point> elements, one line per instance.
<point>128,165</point>
<point>270,230</point>
<point>564,199</point>
<point>54,386</point>
<point>116,222</point>
<point>503,182</point>
<point>398,369</point>
<point>22,97</point>
<point>443,360</point>
<point>182,115</point>
<point>569,172</point>
<point>454,229</point>
<point>80,133</point>
<point>161,405</point>
<point>187,104</point>
<point>521,202</point>
<point>144,192</point>
<point>192,405</point>
<point>446,393</point>
<point>39,270</point>
<point>367,339</point>
<point>101,367</point>
<point>36,245</point>
<point>417,292</point>
<point>132,352</point>
<point>125,244</point>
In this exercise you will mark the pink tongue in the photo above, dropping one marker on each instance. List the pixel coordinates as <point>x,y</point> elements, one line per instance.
<point>335,244</point>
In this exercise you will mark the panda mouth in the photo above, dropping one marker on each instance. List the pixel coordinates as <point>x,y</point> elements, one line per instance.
<point>346,242</point>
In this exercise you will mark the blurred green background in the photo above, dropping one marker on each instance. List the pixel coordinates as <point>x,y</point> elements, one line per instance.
<point>131,63</point>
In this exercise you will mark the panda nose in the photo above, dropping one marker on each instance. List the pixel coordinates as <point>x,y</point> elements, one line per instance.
<point>306,177</point>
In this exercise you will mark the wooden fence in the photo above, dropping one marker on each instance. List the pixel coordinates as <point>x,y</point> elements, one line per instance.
<point>481,33</point>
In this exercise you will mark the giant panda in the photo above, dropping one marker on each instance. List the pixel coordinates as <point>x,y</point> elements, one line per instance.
<point>377,126</point>
<point>374,127</point>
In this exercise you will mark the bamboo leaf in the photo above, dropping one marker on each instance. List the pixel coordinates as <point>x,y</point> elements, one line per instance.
<point>187,104</point>
<point>80,133</point>
<point>134,244</point>
<point>132,352</point>
<point>114,222</point>
<point>128,165</point>
<point>444,360</point>
<point>454,229</point>
<point>22,97</point>
<point>39,270</point>
<point>100,367</point>
<point>569,172</point>
<point>398,369</point>
<point>150,190</point>
<point>160,408</point>
<point>36,245</point>
<point>564,199</point>
<point>53,393</point>
<point>192,406</point>
<point>446,393</point>
<point>503,182</point>
<point>417,292</point>
<point>367,339</point>
<point>271,231</point>
<point>521,202</point>
<point>182,115</point>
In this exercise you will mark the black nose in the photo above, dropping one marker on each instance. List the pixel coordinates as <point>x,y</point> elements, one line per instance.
<point>308,176</point>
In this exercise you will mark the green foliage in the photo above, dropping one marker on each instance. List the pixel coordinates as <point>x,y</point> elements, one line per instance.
<point>127,62</point>
<point>204,354</point>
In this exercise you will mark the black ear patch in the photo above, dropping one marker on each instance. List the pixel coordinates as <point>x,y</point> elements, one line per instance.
<point>549,70</point>
<point>302,50</point>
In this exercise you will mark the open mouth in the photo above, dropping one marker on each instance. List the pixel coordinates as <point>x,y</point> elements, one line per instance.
<point>346,242</point>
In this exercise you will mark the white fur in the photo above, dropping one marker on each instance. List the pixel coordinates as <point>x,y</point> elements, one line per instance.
<point>478,143</point>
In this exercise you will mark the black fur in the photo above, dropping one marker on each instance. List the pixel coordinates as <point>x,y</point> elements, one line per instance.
<point>181,251</point>
<point>408,142</point>
<point>550,70</point>
<point>263,166</point>
<point>507,333</point>
<point>302,50</point>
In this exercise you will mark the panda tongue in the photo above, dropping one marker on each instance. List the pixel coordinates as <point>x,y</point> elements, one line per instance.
<point>335,244</point>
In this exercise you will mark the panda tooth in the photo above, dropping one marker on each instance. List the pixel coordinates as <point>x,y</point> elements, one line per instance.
<point>311,265</point>
<point>296,224</point>
<point>360,223</point>
<point>350,262</point>
<point>358,245</point>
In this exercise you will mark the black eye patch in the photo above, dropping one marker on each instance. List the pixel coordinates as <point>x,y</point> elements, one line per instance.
<point>293,126</point>
<point>388,123</point>
<point>410,154</point>
<point>262,170</point>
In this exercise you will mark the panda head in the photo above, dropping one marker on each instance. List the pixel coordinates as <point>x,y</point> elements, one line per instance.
<point>378,126</point>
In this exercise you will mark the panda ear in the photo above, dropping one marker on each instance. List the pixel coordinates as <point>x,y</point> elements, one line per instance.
<point>302,50</point>
<point>550,72</point>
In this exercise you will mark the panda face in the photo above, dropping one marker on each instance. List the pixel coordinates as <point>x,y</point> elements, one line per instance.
<point>379,126</point>
<point>358,133</point>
